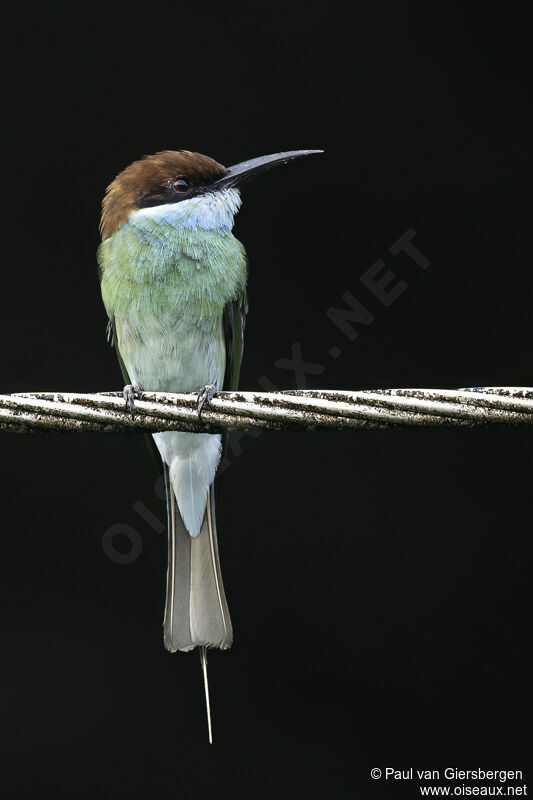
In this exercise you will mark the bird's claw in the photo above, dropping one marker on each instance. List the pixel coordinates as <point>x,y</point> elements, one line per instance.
<point>205,396</point>
<point>130,395</point>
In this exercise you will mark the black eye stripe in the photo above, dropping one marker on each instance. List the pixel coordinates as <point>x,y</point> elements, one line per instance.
<point>171,193</point>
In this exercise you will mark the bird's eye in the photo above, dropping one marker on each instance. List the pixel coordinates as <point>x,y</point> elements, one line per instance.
<point>181,185</point>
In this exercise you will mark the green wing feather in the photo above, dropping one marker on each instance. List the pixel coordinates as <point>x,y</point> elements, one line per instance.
<point>112,339</point>
<point>234,321</point>
<point>148,438</point>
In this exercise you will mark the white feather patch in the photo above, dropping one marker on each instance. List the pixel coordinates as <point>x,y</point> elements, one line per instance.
<point>206,211</point>
<point>193,460</point>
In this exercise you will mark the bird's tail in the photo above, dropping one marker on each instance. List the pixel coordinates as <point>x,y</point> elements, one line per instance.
<point>196,611</point>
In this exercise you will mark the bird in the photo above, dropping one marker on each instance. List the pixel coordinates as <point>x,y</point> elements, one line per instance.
<point>173,282</point>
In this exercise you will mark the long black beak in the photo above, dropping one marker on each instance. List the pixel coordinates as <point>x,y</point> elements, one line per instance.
<point>240,173</point>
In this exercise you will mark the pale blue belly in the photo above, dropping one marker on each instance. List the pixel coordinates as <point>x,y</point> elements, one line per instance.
<point>172,356</point>
<point>178,356</point>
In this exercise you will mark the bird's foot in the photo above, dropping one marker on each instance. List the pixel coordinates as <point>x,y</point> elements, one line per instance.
<point>130,394</point>
<point>205,396</point>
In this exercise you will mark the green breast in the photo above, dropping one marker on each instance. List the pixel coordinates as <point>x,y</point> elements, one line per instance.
<point>166,289</point>
<point>194,271</point>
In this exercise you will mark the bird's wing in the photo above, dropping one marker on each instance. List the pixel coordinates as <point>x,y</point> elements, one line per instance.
<point>112,339</point>
<point>148,438</point>
<point>234,320</point>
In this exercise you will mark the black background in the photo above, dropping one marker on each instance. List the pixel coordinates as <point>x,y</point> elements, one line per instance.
<point>377,580</point>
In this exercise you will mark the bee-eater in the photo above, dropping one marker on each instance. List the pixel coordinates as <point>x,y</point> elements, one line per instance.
<point>173,281</point>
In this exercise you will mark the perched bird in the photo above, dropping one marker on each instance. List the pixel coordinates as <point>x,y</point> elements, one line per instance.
<point>173,281</point>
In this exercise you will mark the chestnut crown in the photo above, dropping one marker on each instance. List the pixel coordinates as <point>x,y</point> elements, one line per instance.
<point>166,177</point>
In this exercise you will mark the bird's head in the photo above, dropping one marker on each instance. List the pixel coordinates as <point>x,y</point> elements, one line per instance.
<point>175,176</point>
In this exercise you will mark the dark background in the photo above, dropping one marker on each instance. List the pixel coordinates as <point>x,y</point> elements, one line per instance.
<point>377,580</point>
